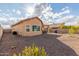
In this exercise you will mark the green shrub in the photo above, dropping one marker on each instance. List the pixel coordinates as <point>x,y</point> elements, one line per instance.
<point>32,51</point>
<point>68,27</point>
<point>72,30</point>
<point>61,26</point>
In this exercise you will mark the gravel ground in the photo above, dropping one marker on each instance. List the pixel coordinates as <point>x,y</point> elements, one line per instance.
<point>51,43</point>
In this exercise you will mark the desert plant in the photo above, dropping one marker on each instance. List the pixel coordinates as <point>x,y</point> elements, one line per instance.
<point>32,51</point>
<point>72,30</point>
<point>61,26</point>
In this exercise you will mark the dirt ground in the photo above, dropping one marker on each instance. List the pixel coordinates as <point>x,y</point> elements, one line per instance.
<point>55,45</point>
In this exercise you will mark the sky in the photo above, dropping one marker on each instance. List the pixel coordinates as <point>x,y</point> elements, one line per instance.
<point>49,13</point>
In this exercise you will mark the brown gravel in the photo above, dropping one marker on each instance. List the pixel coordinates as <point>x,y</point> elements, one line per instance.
<point>53,46</point>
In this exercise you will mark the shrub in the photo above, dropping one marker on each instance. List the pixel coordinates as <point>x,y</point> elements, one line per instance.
<point>72,30</point>
<point>61,26</point>
<point>32,51</point>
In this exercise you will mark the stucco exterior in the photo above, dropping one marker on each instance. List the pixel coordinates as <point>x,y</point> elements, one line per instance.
<point>56,28</point>
<point>1,32</point>
<point>20,27</point>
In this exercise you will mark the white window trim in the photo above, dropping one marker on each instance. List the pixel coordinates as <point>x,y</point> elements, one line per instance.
<point>26,28</point>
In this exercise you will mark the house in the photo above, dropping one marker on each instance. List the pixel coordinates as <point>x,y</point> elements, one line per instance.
<point>1,32</point>
<point>53,28</point>
<point>28,27</point>
<point>45,28</point>
<point>57,28</point>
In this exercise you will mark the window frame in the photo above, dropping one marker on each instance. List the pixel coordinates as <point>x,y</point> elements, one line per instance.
<point>27,28</point>
<point>37,28</point>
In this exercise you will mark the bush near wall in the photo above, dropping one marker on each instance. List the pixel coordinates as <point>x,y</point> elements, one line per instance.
<point>72,29</point>
<point>68,27</point>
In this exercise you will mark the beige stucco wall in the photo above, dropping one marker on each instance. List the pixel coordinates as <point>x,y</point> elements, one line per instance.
<point>21,28</point>
<point>1,32</point>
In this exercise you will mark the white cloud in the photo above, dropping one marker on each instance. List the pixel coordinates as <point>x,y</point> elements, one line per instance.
<point>42,10</point>
<point>3,19</point>
<point>72,23</point>
<point>47,9</point>
<point>5,15</point>
<point>6,22</point>
<point>30,10</point>
<point>65,8</point>
<point>0,10</point>
<point>61,13</point>
<point>65,19</point>
<point>18,12</point>
<point>63,16</point>
<point>45,12</point>
<point>6,26</point>
<point>14,10</point>
<point>8,17</point>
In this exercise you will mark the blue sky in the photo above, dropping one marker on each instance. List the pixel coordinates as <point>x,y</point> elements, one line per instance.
<point>74,7</point>
<point>8,7</point>
<point>56,6</point>
<point>10,13</point>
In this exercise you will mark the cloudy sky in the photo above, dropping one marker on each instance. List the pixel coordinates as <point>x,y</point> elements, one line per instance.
<point>49,13</point>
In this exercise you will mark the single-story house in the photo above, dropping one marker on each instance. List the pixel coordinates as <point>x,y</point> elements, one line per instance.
<point>55,28</point>
<point>28,27</point>
<point>34,26</point>
<point>45,28</point>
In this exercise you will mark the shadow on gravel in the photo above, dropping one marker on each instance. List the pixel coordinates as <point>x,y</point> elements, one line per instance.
<point>53,46</point>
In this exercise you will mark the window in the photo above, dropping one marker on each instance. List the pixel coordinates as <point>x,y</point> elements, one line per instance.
<point>35,28</point>
<point>27,28</point>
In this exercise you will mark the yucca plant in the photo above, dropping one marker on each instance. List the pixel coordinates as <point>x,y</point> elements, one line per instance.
<point>32,51</point>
